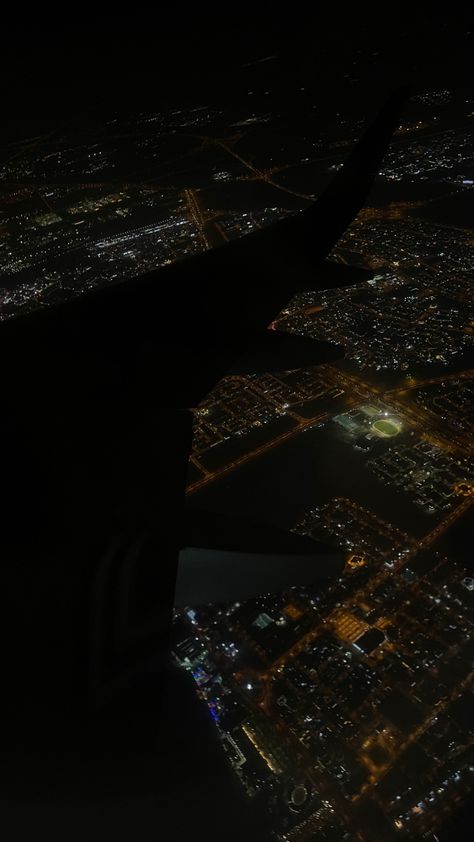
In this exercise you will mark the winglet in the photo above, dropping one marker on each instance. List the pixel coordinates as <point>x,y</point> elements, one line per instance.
<point>345,195</point>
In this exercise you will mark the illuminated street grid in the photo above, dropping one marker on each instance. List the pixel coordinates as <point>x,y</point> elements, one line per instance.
<point>70,220</point>
<point>345,700</point>
<point>244,412</point>
<point>349,708</point>
<point>453,402</point>
<point>369,540</point>
<point>429,475</point>
<point>444,156</point>
<point>416,310</point>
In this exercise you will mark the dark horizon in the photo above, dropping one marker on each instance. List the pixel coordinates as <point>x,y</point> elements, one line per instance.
<point>62,72</point>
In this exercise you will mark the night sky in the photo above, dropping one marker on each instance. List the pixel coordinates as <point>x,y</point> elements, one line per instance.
<point>61,72</point>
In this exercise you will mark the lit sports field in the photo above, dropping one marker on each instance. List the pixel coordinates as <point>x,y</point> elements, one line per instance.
<point>386,428</point>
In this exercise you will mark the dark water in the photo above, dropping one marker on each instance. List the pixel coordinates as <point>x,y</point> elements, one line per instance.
<point>315,466</point>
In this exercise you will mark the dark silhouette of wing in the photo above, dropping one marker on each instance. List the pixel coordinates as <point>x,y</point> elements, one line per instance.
<point>96,431</point>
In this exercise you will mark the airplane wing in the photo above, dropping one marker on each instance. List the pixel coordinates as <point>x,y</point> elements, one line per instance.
<point>96,431</point>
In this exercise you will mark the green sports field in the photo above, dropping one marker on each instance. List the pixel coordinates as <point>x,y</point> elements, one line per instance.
<point>386,428</point>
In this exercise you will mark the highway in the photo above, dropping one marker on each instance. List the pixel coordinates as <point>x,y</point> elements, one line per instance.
<point>260,175</point>
<point>254,454</point>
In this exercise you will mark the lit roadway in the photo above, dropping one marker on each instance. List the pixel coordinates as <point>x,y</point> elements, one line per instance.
<point>325,785</point>
<point>468,374</point>
<point>387,530</point>
<point>247,457</point>
<point>210,233</point>
<point>259,175</point>
<point>195,213</point>
<point>359,390</point>
<point>427,541</point>
<point>414,735</point>
<point>327,788</point>
<point>412,416</point>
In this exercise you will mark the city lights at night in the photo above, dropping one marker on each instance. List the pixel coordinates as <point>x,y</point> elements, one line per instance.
<point>144,240</point>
